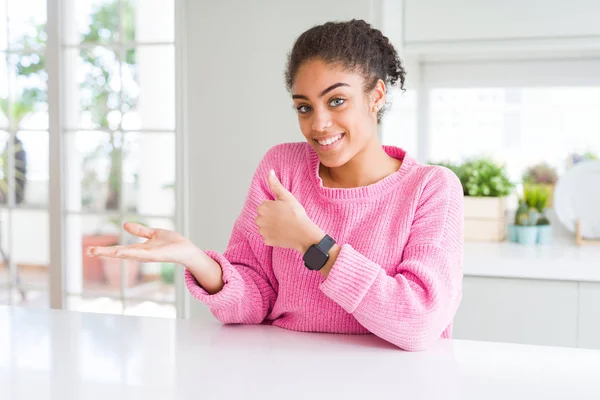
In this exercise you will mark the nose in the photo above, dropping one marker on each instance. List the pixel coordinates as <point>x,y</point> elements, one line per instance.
<point>321,121</point>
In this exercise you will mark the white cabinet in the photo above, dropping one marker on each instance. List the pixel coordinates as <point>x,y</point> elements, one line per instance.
<point>468,20</point>
<point>589,315</point>
<point>518,311</point>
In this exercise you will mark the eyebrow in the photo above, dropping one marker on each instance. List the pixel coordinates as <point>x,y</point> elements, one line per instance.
<point>323,93</point>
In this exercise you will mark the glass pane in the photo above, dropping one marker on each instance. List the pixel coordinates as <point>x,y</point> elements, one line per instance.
<point>154,21</point>
<point>91,21</point>
<point>93,171</point>
<point>28,107</point>
<point>517,126</point>
<point>93,97</point>
<point>83,273</point>
<point>10,297</point>
<point>155,281</point>
<point>4,250</point>
<point>27,24</point>
<point>4,167</point>
<point>30,246</point>
<point>149,88</point>
<point>32,168</point>
<point>3,26</point>
<point>3,90</point>
<point>149,173</point>
<point>32,297</point>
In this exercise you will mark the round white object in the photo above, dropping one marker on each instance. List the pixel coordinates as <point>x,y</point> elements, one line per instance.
<point>577,197</point>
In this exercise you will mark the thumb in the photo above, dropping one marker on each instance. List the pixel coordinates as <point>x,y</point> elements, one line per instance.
<point>276,187</point>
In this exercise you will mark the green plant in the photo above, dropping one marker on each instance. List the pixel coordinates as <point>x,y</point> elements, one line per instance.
<point>540,173</point>
<point>532,206</point>
<point>525,215</point>
<point>483,177</point>
<point>536,196</point>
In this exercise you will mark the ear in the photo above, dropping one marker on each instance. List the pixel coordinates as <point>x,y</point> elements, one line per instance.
<point>378,95</point>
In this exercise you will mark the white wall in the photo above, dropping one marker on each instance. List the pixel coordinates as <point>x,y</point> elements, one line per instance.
<point>237,104</point>
<point>465,20</point>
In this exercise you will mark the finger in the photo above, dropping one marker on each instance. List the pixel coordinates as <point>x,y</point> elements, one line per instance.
<point>134,251</point>
<point>104,251</point>
<point>276,187</point>
<point>138,230</point>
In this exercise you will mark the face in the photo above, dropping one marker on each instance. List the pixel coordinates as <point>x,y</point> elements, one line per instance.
<point>335,115</point>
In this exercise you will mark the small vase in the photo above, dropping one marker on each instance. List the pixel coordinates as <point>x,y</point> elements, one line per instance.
<point>544,234</point>
<point>512,233</point>
<point>527,234</point>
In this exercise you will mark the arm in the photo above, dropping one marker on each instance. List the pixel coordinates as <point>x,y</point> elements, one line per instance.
<point>412,308</point>
<point>248,289</point>
<point>248,286</point>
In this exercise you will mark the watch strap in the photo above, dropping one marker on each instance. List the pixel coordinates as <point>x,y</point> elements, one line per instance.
<point>326,244</point>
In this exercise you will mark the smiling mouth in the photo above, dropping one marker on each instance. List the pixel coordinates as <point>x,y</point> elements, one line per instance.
<point>330,141</point>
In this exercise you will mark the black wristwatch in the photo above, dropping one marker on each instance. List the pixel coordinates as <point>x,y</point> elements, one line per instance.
<point>317,255</point>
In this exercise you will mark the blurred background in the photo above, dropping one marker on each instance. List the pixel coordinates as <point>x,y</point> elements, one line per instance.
<point>158,111</point>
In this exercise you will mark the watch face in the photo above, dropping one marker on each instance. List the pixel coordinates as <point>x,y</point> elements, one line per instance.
<point>314,258</point>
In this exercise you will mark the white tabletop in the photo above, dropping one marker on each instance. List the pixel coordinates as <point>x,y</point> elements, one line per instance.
<point>67,355</point>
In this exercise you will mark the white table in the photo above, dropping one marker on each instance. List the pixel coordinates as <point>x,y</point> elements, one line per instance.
<point>67,355</point>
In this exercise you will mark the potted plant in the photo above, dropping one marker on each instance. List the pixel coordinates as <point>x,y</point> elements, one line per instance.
<point>525,224</point>
<point>542,197</point>
<point>486,187</point>
<point>542,174</point>
<point>575,158</point>
<point>531,225</point>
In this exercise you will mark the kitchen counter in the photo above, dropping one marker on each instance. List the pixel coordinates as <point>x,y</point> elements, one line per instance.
<point>561,260</point>
<point>48,354</point>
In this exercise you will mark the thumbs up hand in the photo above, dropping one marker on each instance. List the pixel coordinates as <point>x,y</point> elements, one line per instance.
<point>283,222</point>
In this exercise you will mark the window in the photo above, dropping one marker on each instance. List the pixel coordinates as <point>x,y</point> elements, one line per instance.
<point>518,126</point>
<point>120,148</point>
<point>519,113</point>
<point>117,121</point>
<point>24,172</point>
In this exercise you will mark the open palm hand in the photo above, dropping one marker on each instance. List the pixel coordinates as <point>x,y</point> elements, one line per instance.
<point>162,245</point>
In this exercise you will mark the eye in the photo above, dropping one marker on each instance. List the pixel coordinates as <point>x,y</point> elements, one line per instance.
<point>303,109</point>
<point>336,102</point>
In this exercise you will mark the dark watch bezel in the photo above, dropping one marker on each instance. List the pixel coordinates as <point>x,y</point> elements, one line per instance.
<point>317,255</point>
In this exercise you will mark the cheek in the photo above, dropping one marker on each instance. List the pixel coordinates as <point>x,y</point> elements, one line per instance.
<point>305,126</point>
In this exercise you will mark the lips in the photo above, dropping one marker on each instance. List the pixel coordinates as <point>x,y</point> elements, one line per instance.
<point>330,143</point>
<point>328,140</point>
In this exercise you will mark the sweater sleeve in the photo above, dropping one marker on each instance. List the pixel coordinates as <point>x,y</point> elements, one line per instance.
<point>414,307</point>
<point>250,288</point>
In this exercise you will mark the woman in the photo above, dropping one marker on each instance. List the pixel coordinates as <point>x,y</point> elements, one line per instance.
<point>337,233</point>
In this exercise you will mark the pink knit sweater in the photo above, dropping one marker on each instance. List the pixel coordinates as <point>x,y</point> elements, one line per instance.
<point>399,271</point>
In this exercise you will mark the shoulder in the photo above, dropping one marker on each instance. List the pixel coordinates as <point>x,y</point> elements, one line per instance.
<point>285,154</point>
<point>434,180</point>
<point>286,159</point>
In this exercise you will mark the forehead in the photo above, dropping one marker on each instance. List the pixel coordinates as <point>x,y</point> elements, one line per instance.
<point>316,75</point>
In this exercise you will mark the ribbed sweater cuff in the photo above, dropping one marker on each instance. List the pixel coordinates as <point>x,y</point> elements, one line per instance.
<point>232,291</point>
<point>350,278</point>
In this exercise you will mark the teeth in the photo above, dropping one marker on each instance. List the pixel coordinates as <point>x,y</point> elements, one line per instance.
<point>330,140</point>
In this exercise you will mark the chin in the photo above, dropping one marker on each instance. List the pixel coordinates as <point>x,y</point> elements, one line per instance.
<point>335,161</point>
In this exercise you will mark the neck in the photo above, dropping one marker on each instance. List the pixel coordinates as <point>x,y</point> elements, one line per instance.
<point>371,165</point>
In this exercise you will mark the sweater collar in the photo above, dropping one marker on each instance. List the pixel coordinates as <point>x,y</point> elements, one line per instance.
<point>362,192</point>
